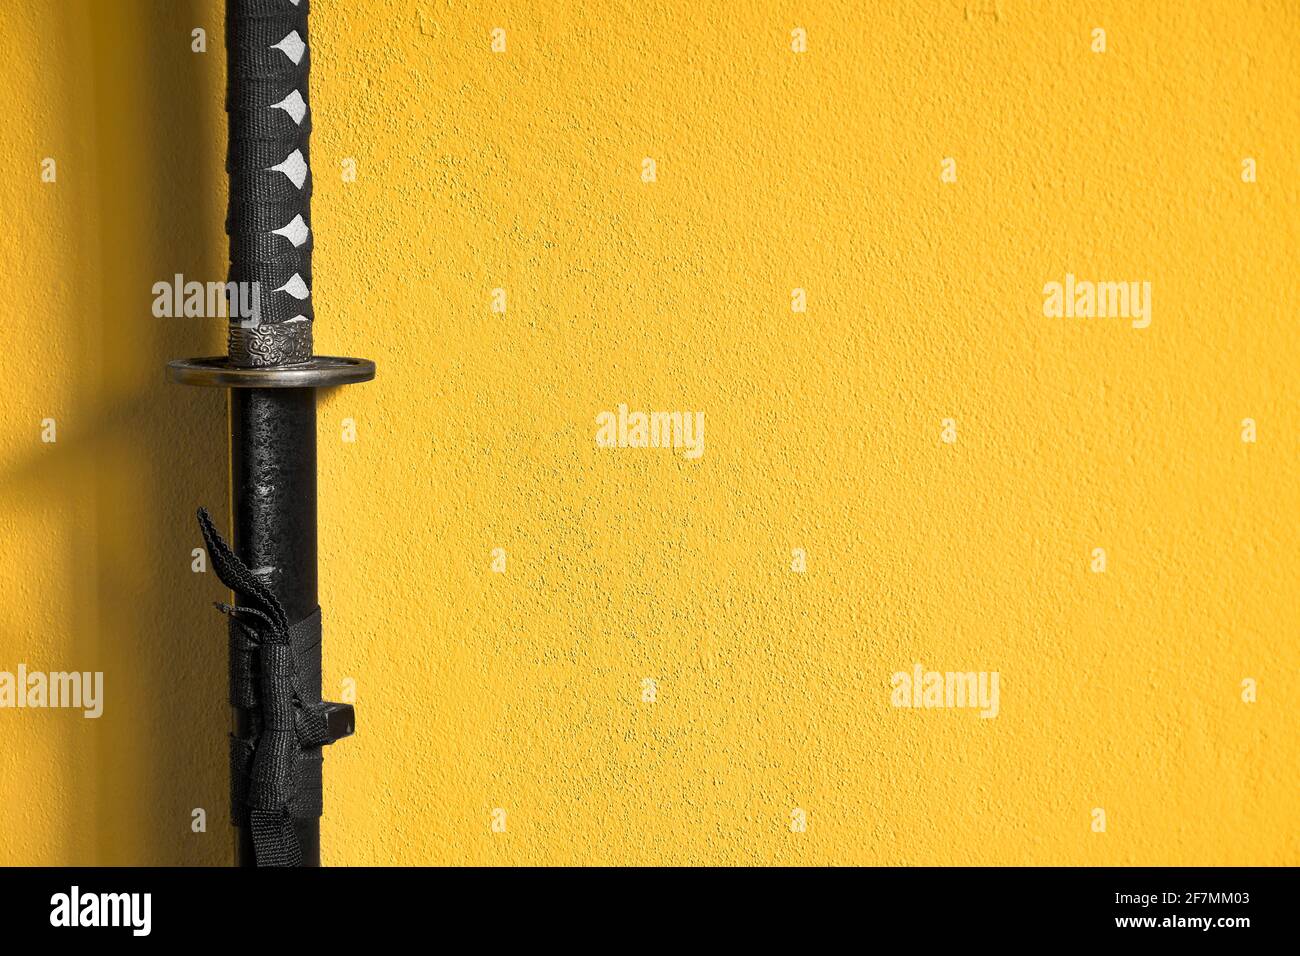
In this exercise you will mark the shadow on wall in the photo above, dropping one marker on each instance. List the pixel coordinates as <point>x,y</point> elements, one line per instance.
<point>148,452</point>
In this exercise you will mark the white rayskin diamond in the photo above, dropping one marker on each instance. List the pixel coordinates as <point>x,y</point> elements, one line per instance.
<point>294,105</point>
<point>292,47</point>
<point>295,287</point>
<point>296,232</point>
<point>294,166</point>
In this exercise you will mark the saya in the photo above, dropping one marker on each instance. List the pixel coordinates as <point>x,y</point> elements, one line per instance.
<point>279,721</point>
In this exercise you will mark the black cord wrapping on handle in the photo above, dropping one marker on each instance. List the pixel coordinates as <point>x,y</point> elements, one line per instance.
<point>269,163</point>
<point>275,777</point>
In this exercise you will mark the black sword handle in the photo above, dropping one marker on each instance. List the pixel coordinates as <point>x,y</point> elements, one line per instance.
<point>268,160</point>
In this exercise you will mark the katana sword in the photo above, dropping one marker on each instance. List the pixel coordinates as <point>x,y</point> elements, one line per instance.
<point>279,722</point>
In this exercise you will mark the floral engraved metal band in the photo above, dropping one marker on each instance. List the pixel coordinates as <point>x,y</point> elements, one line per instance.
<point>284,343</point>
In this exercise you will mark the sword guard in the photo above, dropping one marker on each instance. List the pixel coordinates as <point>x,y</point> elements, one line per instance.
<point>322,371</point>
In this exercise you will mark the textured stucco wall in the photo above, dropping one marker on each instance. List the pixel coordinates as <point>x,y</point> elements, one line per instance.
<point>776,170</point>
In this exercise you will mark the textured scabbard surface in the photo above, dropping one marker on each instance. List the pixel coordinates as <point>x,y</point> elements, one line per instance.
<point>273,488</point>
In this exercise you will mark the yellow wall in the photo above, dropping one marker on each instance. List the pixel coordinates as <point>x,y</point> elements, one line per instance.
<point>776,170</point>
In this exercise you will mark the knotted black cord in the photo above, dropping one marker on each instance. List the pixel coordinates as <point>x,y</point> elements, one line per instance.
<point>274,777</point>
<point>268,159</point>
